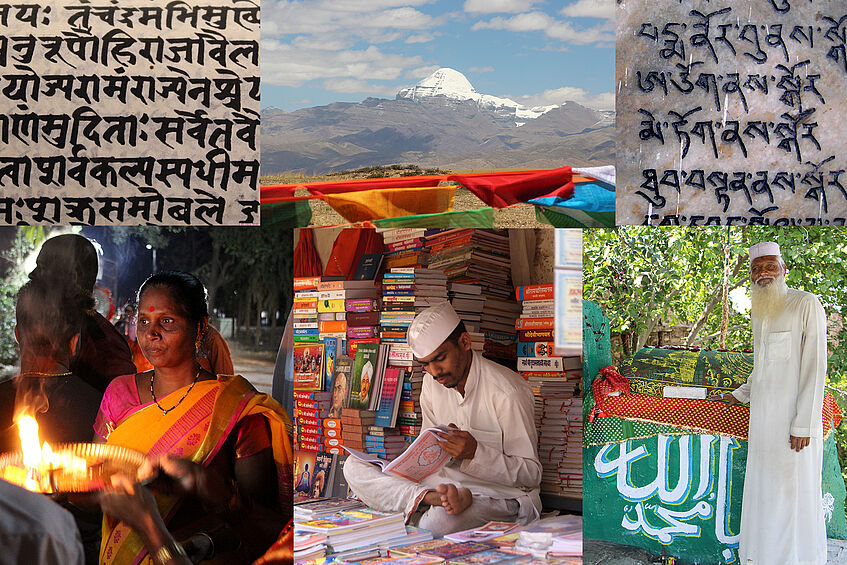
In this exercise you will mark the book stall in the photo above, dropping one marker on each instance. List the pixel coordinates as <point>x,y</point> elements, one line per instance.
<point>358,386</point>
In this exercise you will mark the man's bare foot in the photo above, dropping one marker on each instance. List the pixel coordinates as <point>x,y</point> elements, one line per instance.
<point>454,500</point>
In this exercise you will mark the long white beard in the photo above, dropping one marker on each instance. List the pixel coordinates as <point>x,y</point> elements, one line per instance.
<point>768,302</point>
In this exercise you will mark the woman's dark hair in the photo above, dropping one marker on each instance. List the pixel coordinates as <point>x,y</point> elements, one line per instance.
<point>186,289</point>
<point>68,260</point>
<point>47,316</point>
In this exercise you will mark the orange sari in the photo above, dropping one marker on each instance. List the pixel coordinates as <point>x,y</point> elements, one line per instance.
<point>197,429</point>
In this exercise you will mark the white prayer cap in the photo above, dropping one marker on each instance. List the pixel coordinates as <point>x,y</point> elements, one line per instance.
<point>764,248</point>
<point>431,328</point>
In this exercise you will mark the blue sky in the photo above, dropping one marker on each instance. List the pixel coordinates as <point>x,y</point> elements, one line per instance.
<point>536,52</point>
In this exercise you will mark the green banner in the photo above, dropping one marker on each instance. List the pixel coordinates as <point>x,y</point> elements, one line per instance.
<point>663,488</point>
<point>479,218</point>
<point>681,495</point>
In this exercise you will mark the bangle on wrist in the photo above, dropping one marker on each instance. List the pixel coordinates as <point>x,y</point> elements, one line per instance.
<point>211,553</point>
<point>168,552</point>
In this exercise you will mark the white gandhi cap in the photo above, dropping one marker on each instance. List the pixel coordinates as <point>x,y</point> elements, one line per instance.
<point>431,328</point>
<point>763,249</point>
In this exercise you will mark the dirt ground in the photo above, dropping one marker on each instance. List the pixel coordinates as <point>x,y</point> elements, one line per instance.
<point>517,216</point>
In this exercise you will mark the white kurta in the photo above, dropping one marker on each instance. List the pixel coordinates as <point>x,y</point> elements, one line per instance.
<point>34,529</point>
<point>782,520</point>
<point>497,410</point>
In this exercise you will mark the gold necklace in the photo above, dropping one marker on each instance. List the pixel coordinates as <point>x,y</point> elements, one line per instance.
<point>40,374</point>
<point>166,410</point>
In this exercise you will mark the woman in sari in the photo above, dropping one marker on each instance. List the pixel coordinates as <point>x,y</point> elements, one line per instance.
<point>179,409</point>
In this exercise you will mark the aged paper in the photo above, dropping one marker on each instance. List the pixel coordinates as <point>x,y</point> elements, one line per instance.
<point>129,112</point>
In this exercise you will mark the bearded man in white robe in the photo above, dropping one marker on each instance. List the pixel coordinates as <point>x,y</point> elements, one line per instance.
<point>782,519</point>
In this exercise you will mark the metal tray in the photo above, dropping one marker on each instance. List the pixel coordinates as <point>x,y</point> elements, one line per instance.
<point>103,461</point>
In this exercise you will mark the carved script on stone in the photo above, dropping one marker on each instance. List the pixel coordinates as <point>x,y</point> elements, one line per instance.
<point>731,112</point>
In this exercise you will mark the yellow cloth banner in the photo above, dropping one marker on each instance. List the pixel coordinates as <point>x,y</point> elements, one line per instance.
<point>375,204</point>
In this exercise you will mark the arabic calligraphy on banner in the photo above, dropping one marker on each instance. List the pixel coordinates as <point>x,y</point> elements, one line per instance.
<point>682,490</point>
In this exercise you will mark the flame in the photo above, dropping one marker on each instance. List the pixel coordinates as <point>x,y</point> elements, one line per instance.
<point>28,429</point>
<point>39,461</point>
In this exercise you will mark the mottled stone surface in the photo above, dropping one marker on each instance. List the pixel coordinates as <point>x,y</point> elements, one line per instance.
<point>731,111</point>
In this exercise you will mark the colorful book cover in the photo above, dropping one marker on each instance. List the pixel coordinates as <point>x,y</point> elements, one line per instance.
<point>308,367</point>
<point>304,466</point>
<point>536,349</point>
<point>348,520</point>
<point>386,413</point>
<point>320,475</point>
<point>534,292</point>
<point>457,550</point>
<point>420,547</point>
<point>330,353</point>
<point>534,323</point>
<point>339,385</point>
<point>364,367</point>
<point>368,267</point>
<point>333,326</point>
<point>490,557</point>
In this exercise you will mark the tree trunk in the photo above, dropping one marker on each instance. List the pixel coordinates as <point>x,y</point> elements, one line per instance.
<point>716,297</point>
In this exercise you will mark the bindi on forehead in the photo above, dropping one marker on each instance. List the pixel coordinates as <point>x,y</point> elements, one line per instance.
<point>152,308</point>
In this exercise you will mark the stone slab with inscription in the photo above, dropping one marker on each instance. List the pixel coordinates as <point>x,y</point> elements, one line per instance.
<point>731,112</point>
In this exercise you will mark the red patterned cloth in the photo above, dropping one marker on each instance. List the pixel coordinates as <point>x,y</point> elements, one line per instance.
<point>701,416</point>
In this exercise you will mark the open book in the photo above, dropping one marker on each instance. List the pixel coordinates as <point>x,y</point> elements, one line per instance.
<point>421,459</point>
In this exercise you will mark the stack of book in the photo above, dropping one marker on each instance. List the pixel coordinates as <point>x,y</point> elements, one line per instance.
<point>481,257</point>
<point>305,310</point>
<point>570,469</point>
<point>355,531</point>
<point>498,326</point>
<point>535,332</point>
<point>311,401</point>
<point>362,315</point>
<point>554,380</point>
<point>468,302</point>
<point>405,292</point>
<point>354,427</point>
<point>555,444</point>
<point>409,419</point>
<point>404,248</point>
<point>308,545</point>
<point>334,299</point>
<point>384,442</point>
<point>310,408</point>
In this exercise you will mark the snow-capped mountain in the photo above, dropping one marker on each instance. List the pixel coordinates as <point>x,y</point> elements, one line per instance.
<point>455,86</point>
<point>440,122</point>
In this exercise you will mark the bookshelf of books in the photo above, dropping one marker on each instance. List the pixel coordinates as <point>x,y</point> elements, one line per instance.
<point>358,385</point>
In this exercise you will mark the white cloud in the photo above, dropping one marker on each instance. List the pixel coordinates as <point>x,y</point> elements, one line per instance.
<point>497,6</point>
<point>602,101</point>
<point>349,85</point>
<point>481,69</point>
<point>421,72</point>
<point>288,65</point>
<point>347,17</point>
<point>421,38</point>
<point>590,9</point>
<point>551,27</point>
<point>323,40</point>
